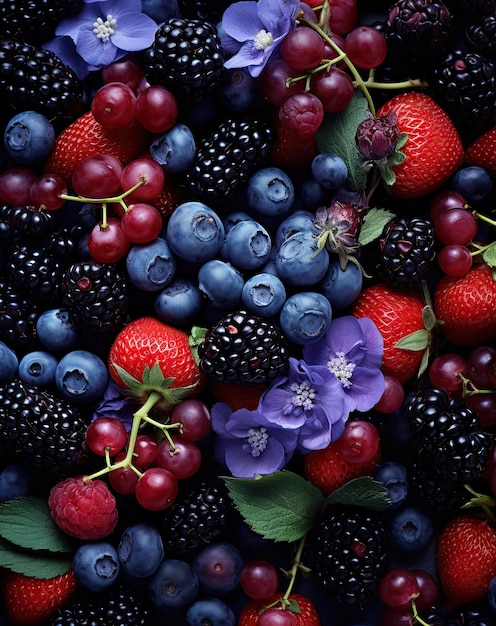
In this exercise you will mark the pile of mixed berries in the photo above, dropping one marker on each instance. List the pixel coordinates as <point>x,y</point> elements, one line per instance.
<point>248,313</point>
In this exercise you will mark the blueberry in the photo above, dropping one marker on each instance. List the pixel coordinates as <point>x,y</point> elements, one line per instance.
<point>329,170</point>
<point>81,376</point>
<point>305,317</point>
<point>394,477</point>
<point>270,193</point>
<point>151,266</point>
<point>491,594</point>
<point>313,195</point>
<point>474,183</point>
<point>248,245</point>
<point>179,303</point>
<point>411,529</point>
<point>29,137</point>
<point>38,368</point>
<point>175,149</point>
<point>264,294</point>
<point>295,223</point>
<point>96,565</point>
<point>56,330</point>
<point>341,286</point>
<point>218,567</point>
<point>211,611</point>
<point>9,363</point>
<point>228,222</point>
<point>298,263</point>
<point>195,232</point>
<point>15,481</point>
<point>221,283</point>
<point>238,92</point>
<point>174,586</point>
<point>140,550</point>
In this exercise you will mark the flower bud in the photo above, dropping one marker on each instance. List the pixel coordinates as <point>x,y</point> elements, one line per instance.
<point>376,137</point>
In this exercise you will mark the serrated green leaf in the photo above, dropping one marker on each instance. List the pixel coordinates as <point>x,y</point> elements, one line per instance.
<point>39,565</point>
<point>416,341</point>
<point>373,224</point>
<point>387,174</point>
<point>26,522</point>
<point>282,506</point>
<point>127,379</point>
<point>489,255</point>
<point>336,135</point>
<point>363,491</point>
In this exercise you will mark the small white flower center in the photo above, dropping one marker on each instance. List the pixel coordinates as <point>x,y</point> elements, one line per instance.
<point>104,30</point>
<point>258,438</point>
<point>342,369</point>
<point>263,39</point>
<point>304,395</point>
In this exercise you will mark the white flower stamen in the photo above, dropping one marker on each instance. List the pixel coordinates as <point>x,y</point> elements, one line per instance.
<point>263,40</point>
<point>258,439</point>
<point>304,395</point>
<point>342,369</point>
<point>104,30</point>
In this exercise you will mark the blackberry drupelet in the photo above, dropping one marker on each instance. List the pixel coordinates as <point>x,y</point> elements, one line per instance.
<point>243,348</point>
<point>44,430</point>
<point>186,58</point>
<point>480,36</point>
<point>351,555</point>
<point>450,448</point>
<point>35,79</point>
<point>472,615</point>
<point>18,317</point>
<point>203,9</point>
<point>29,224</point>
<point>63,243</point>
<point>97,296</point>
<point>464,84</point>
<point>196,520</point>
<point>36,273</point>
<point>34,21</point>
<point>407,250</point>
<point>227,157</point>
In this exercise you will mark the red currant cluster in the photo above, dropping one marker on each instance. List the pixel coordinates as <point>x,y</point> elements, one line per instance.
<point>150,465</point>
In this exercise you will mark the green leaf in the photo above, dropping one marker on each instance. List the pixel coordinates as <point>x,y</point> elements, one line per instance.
<point>196,337</point>
<point>402,139</point>
<point>127,379</point>
<point>373,224</point>
<point>429,317</point>
<point>336,135</point>
<point>418,340</point>
<point>282,506</point>
<point>396,158</point>
<point>489,255</point>
<point>363,491</point>
<point>26,522</point>
<point>387,174</point>
<point>36,564</point>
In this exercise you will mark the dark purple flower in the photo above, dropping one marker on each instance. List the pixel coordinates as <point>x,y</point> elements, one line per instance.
<point>352,350</point>
<point>114,404</point>
<point>376,137</point>
<point>309,400</point>
<point>248,444</point>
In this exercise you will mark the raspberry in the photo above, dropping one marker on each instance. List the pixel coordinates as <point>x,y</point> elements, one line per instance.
<point>85,510</point>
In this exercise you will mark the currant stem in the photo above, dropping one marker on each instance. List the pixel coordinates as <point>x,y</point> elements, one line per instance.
<point>117,199</point>
<point>294,570</point>
<point>416,615</point>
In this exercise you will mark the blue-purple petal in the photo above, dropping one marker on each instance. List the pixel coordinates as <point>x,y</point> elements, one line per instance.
<point>93,51</point>
<point>367,389</point>
<point>135,31</point>
<point>241,22</point>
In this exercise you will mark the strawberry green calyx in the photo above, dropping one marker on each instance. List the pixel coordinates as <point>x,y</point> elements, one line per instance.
<point>486,502</point>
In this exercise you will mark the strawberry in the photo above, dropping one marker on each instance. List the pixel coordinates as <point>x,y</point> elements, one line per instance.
<point>327,470</point>
<point>291,150</point>
<point>466,306</point>
<point>466,559</point>
<point>433,150</point>
<point>482,151</point>
<point>86,137</point>
<point>396,314</point>
<point>30,600</point>
<point>307,615</point>
<point>237,396</point>
<point>148,355</point>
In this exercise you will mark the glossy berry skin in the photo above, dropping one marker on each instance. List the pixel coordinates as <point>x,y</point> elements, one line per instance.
<point>9,363</point>
<point>218,567</point>
<point>302,48</point>
<point>156,109</point>
<point>184,460</point>
<point>156,489</point>
<point>210,611</point>
<point>329,170</point>
<point>264,294</point>
<point>15,481</point>
<point>341,286</point>
<point>473,182</point>
<point>302,113</point>
<point>239,91</point>
<point>179,303</point>
<point>297,262</point>
<point>221,282</point>
<point>140,550</point>
<point>175,149</point>
<point>194,417</point>
<point>397,588</point>
<point>270,193</point>
<point>195,232</point>
<point>28,138</point>
<point>259,579</point>
<point>96,565</point>
<point>308,615</point>
<point>248,245</point>
<point>81,376</point>
<point>394,477</point>
<point>305,317</point>
<point>411,529</point>
<point>56,330</point>
<point>173,587</point>
<point>141,223</point>
<point>151,266</point>
<point>106,434</point>
<point>114,105</point>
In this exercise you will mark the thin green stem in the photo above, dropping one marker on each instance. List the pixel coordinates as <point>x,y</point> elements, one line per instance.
<point>484,218</point>
<point>294,569</point>
<point>416,616</point>
<point>117,199</point>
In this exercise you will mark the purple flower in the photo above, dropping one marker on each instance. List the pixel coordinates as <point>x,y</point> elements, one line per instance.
<point>251,31</point>
<point>352,350</point>
<point>310,400</point>
<point>114,404</point>
<point>376,137</point>
<point>248,444</point>
<point>101,33</point>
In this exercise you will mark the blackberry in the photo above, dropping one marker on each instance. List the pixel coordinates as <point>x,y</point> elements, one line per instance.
<point>243,348</point>
<point>35,272</point>
<point>472,615</point>
<point>18,317</point>
<point>407,249</point>
<point>450,448</point>
<point>351,555</point>
<point>228,156</point>
<point>35,79</point>
<point>186,57</point>
<point>97,296</point>
<point>203,9</point>
<point>197,520</point>
<point>464,84</point>
<point>63,243</point>
<point>34,21</point>
<point>118,606</point>
<point>29,224</point>
<point>480,37</point>
<point>44,430</point>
